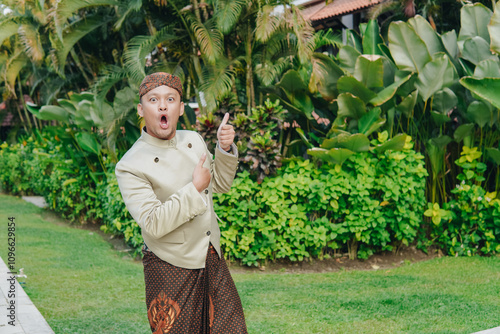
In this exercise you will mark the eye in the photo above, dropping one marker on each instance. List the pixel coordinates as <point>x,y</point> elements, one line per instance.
<point>153,99</point>
<point>170,99</point>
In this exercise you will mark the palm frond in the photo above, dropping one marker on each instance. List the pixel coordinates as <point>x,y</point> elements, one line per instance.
<point>7,29</point>
<point>38,11</point>
<point>267,23</point>
<point>327,37</point>
<point>305,34</point>
<point>218,81</point>
<point>11,70</point>
<point>62,10</point>
<point>129,6</point>
<point>76,31</point>
<point>280,45</point>
<point>109,76</point>
<point>174,68</point>
<point>47,84</point>
<point>138,48</point>
<point>30,39</point>
<point>382,8</point>
<point>123,110</point>
<point>208,37</point>
<point>268,71</point>
<point>319,69</point>
<point>227,14</point>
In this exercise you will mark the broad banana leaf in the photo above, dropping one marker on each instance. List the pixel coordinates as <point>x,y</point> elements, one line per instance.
<point>474,21</point>
<point>296,91</point>
<point>347,58</point>
<point>444,101</point>
<point>348,84</point>
<point>494,29</point>
<point>427,34</point>
<point>408,104</point>
<point>489,68</point>
<point>436,75</point>
<point>50,113</point>
<point>350,106</point>
<point>371,122</point>
<point>476,49</point>
<point>356,143</point>
<point>480,113</point>
<point>464,130</point>
<point>486,88</point>
<point>439,118</point>
<point>494,155</point>
<point>354,40</point>
<point>449,40</point>
<point>88,142</point>
<point>326,74</point>
<point>369,70</point>
<point>388,92</point>
<point>407,48</point>
<point>372,38</point>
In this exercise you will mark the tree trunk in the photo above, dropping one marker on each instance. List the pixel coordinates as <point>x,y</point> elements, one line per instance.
<point>249,78</point>
<point>21,98</point>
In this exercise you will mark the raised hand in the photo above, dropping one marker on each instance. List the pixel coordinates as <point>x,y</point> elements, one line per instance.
<point>225,134</point>
<point>201,175</point>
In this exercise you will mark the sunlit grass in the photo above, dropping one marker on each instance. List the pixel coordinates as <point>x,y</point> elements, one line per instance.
<point>82,285</point>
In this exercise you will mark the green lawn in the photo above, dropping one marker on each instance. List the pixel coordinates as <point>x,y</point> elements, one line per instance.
<point>82,285</point>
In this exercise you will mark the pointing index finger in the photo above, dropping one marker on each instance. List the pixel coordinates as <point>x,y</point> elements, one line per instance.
<point>224,121</point>
<point>202,159</point>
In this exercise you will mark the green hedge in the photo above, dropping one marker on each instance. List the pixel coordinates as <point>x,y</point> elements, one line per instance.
<point>373,202</point>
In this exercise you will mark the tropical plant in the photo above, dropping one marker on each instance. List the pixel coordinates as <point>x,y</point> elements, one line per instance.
<point>468,223</point>
<point>38,38</point>
<point>439,89</point>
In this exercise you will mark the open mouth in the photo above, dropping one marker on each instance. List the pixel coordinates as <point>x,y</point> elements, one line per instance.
<point>163,122</point>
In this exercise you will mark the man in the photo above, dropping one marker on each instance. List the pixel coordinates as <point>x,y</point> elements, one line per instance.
<point>166,180</point>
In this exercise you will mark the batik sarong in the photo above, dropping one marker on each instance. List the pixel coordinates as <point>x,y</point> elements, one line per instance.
<point>191,301</point>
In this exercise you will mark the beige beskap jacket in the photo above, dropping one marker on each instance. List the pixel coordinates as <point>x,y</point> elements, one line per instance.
<point>155,179</point>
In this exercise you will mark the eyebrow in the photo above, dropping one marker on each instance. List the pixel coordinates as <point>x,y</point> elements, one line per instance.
<point>158,94</point>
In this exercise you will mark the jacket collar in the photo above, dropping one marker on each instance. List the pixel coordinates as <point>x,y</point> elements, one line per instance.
<point>157,141</point>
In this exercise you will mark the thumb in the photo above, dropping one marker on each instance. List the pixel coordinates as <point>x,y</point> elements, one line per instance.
<point>224,121</point>
<point>202,160</point>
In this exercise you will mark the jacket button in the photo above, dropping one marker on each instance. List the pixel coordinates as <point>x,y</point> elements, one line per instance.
<point>208,233</point>
<point>189,145</point>
<point>156,159</point>
<point>206,191</point>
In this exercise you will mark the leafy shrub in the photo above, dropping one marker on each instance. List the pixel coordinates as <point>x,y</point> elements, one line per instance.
<point>258,137</point>
<point>374,202</point>
<point>469,223</point>
<point>116,218</point>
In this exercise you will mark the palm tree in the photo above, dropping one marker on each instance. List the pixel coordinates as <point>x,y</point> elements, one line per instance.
<point>37,40</point>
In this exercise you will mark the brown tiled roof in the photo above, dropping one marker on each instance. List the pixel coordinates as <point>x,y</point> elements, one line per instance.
<point>317,10</point>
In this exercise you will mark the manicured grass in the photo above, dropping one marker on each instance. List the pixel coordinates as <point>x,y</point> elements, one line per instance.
<point>82,285</point>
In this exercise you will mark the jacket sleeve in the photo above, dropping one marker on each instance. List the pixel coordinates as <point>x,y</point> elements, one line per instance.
<point>154,217</point>
<point>224,168</point>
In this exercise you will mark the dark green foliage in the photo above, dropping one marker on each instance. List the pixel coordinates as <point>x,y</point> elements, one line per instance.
<point>469,224</point>
<point>374,202</point>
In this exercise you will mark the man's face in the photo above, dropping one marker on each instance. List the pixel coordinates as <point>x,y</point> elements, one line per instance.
<point>161,108</point>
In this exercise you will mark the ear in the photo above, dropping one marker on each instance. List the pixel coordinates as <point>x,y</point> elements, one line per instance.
<point>181,111</point>
<point>140,112</point>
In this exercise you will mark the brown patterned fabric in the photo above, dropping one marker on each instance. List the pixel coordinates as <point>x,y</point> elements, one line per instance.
<point>158,79</point>
<point>181,301</point>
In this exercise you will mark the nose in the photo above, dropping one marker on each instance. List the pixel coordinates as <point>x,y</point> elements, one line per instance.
<point>162,106</point>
